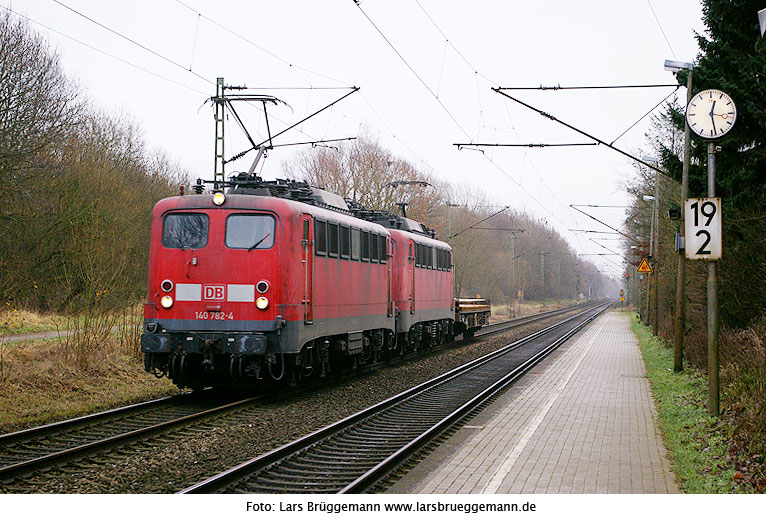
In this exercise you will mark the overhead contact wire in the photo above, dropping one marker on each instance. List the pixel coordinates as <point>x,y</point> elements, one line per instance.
<point>491,160</point>
<point>262,49</point>
<point>51,29</point>
<point>155,53</point>
<point>436,97</point>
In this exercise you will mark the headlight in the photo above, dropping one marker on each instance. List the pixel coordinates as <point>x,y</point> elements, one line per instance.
<point>166,301</point>
<point>262,303</point>
<point>219,199</point>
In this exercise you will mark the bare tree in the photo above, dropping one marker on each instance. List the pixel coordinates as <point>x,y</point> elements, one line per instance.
<point>366,172</point>
<point>38,104</point>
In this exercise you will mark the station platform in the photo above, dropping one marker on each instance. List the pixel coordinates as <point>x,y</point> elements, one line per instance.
<point>583,421</point>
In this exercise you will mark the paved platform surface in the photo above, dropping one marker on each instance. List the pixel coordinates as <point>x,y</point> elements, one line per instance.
<point>583,423</point>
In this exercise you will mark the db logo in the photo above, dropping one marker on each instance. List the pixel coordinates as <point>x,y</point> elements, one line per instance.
<point>213,292</point>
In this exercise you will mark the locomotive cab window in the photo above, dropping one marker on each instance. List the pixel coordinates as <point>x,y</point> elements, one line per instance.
<point>185,230</point>
<point>320,237</point>
<point>249,231</point>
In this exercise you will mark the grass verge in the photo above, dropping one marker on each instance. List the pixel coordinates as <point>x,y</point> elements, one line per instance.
<point>15,322</point>
<point>698,443</point>
<point>41,386</point>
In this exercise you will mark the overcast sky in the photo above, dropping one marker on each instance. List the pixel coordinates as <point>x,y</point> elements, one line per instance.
<point>438,92</point>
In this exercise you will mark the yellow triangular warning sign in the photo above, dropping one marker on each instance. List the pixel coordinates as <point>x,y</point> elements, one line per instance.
<point>644,267</point>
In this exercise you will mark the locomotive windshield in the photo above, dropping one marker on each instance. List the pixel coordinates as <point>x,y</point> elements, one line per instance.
<point>250,231</point>
<point>185,230</point>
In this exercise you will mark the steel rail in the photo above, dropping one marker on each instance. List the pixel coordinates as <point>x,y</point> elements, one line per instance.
<point>63,425</point>
<point>385,467</point>
<point>505,325</point>
<point>42,439</point>
<point>370,475</point>
<point>55,427</point>
<point>13,470</point>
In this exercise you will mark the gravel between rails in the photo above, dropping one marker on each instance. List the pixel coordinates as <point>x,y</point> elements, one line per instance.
<point>179,459</point>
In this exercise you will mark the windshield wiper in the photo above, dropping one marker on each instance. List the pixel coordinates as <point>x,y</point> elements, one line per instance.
<point>178,239</point>
<point>259,242</point>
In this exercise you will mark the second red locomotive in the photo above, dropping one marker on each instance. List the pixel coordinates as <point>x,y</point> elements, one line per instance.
<point>279,281</point>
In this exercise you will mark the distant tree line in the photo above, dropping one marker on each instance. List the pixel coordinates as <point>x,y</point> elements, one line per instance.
<point>77,187</point>
<point>499,254</point>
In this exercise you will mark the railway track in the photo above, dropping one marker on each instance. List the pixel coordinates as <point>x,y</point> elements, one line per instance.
<point>353,454</point>
<point>499,327</point>
<point>39,448</point>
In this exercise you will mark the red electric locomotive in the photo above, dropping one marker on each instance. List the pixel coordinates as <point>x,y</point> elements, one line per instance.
<point>277,281</point>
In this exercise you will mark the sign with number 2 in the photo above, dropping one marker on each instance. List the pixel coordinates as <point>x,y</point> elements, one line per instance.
<point>702,221</point>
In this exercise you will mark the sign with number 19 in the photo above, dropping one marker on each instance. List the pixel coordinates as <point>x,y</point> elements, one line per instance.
<point>702,221</point>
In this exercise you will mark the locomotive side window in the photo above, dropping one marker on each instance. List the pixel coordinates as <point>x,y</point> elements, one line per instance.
<point>382,249</point>
<point>373,247</point>
<point>249,231</point>
<point>355,243</point>
<point>366,246</point>
<point>332,239</point>
<point>185,230</point>
<point>345,242</point>
<point>320,237</point>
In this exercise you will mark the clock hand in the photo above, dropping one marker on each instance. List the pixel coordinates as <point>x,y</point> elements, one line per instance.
<point>712,117</point>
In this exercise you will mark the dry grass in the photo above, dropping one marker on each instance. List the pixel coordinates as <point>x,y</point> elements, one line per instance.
<point>502,312</point>
<point>14,321</point>
<point>96,367</point>
<point>41,386</point>
<point>743,395</point>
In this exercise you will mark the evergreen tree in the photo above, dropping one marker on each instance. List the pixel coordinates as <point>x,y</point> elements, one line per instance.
<point>732,58</point>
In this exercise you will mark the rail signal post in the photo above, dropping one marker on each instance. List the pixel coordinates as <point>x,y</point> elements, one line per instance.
<point>710,114</point>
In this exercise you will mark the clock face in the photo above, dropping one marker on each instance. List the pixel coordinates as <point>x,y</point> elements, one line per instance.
<point>711,113</point>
